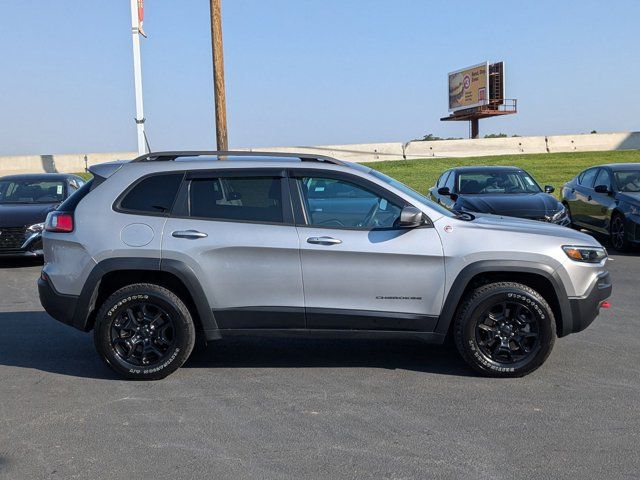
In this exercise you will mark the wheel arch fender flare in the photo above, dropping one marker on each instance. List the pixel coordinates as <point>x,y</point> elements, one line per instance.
<point>89,295</point>
<point>463,281</point>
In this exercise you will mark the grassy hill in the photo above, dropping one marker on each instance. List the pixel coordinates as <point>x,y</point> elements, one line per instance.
<point>547,168</point>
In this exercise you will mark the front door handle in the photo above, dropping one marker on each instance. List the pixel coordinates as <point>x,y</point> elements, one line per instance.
<point>324,240</point>
<point>192,234</point>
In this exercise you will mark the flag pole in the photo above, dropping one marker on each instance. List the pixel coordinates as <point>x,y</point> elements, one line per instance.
<point>137,72</point>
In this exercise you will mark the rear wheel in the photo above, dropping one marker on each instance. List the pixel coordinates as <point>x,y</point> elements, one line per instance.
<point>144,332</point>
<point>504,329</point>
<point>618,233</point>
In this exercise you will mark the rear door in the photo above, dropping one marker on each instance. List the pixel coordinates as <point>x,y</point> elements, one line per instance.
<point>235,229</point>
<point>360,271</point>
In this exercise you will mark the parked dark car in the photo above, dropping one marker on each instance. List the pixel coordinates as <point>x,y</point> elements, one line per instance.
<point>25,201</point>
<point>606,199</point>
<point>508,191</point>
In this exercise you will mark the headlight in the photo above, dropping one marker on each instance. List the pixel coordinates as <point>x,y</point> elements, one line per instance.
<point>585,254</point>
<point>559,214</point>
<point>36,228</point>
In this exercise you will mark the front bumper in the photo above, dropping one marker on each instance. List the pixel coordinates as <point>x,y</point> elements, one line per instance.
<point>584,310</point>
<point>32,247</point>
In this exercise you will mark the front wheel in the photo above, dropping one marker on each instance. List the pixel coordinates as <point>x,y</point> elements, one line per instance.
<point>618,233</point>
<point>504,329</point>
<point>144,332</point>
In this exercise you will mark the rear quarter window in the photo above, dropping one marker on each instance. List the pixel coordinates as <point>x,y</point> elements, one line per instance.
<point>152,195</point>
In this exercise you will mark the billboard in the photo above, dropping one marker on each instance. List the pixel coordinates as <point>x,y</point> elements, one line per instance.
<point>469,87</point>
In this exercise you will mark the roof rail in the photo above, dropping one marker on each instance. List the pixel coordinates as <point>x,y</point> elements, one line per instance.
<point>171,156</point>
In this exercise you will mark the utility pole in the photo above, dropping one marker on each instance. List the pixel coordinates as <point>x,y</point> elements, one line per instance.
<point>218,76</point>
<point>137,72</point>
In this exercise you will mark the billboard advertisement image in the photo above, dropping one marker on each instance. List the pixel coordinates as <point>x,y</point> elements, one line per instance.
<point>469,87</point>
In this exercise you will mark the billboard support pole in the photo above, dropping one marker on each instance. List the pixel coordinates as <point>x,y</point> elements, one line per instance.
<point>137,73</point>
<point>475,128</point>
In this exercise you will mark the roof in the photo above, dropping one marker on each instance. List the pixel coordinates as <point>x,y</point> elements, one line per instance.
<point>234,155</point>
<point>622,166</point>
<point>51,177</point>
<point>186,160</point>
<point>489,168</point>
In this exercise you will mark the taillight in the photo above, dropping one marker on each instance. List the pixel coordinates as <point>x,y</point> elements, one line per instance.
<point>61,222</point>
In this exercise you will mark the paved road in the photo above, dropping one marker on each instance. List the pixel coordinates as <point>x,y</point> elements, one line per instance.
<point>317,409</point>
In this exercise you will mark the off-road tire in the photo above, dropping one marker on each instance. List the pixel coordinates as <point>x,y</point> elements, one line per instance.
<point>474,308</point>
<point>182,329</point>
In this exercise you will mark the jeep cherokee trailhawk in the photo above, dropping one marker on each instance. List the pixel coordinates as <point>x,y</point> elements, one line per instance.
<point>153,251</point>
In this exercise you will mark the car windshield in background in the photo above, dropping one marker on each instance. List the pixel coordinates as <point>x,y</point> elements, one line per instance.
<point>411,192</point>
<point>25,191</point>
<point>628,180</point>
<point>496,182</point>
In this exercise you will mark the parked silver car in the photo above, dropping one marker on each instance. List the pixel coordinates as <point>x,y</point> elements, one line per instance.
<point>229,243</point>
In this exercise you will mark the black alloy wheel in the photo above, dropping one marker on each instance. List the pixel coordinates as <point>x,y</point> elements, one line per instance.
<point>508,332</point>
<point>142,334</point>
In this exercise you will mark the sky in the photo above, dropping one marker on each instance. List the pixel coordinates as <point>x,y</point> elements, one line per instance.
<point>308,72</point>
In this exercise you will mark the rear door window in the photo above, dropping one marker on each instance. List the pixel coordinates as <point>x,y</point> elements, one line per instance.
<point>587,178</point>
<point>442,180</point>
<point>603,178</point>
<point>241,199</point>
<point>152,195</point>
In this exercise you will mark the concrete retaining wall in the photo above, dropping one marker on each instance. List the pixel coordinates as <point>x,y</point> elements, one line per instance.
<point>372,152</point>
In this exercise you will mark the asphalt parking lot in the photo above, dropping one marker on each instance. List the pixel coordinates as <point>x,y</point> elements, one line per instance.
<point>317,409</point>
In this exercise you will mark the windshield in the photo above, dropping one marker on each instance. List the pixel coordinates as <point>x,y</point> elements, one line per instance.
<point>628,180</point>
<point>412,193</point>
<point>508,181</point>
<point>31,191</point>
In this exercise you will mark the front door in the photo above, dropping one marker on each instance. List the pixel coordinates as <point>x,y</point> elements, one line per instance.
<point>360,271</point>
<point>601,202</point>
<point>235,230</point>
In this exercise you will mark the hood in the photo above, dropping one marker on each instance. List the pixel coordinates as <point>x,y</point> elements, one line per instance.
<point>520,225</point>
<point>24,214</point>
<point>524,205</point>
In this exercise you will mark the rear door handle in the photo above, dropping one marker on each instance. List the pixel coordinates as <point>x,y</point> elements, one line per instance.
<point>193,234</point>
<point>324,240</point>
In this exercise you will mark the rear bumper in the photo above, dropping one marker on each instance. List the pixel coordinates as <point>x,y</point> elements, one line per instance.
<point>584,310</point>
<point>59,306</point>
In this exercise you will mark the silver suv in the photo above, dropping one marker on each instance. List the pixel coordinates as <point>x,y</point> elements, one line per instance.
<point>154,251</point>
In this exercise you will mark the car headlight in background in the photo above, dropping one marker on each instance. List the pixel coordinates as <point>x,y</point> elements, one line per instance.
<point>560,214</point>
<point>36,228</point>
<point>585,254</point>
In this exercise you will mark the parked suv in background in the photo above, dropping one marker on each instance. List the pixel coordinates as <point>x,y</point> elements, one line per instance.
<point>154,250</point>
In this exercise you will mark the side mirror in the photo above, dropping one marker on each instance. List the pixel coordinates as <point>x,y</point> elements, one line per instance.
<point>444,191</point>
<point>411,217</point>
<point>549,189</point>
<point>602,189</point>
